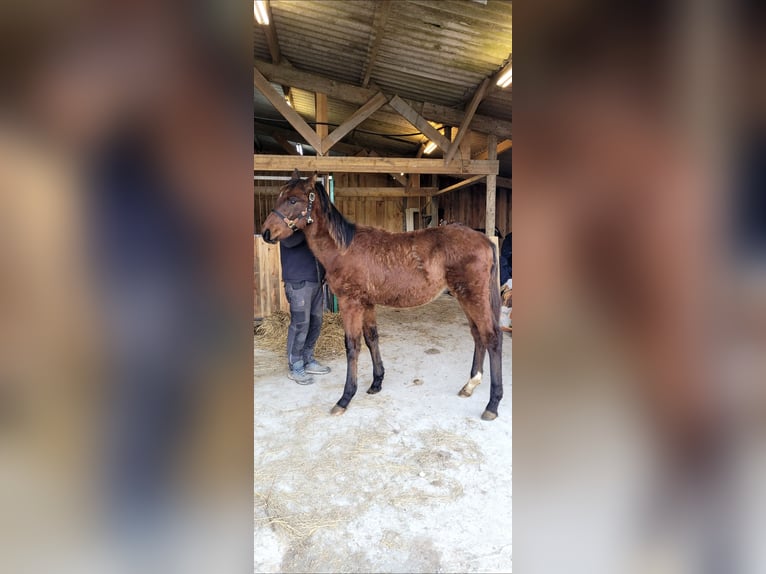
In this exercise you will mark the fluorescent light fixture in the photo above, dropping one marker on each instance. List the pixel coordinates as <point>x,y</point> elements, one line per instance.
<point>506,77</point>
<point>299,148</point>
<point>261,15</point>
<point>429,148</point>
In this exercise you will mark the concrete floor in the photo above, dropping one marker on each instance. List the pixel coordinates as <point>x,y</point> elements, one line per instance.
<point>408,480</point>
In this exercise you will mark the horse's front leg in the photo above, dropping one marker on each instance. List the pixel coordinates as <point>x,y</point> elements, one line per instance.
<point>352,314</point>
<point>370,329</point>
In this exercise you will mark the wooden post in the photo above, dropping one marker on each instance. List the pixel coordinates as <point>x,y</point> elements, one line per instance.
<point>489,224</point>
<point>320,102</point>
<point>434,212</point>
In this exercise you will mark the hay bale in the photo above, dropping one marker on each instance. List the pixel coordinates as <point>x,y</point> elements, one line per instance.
<point>271,335</point>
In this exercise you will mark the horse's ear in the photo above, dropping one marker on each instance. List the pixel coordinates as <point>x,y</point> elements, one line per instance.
<point>312,180</point>
<point>296,174</point>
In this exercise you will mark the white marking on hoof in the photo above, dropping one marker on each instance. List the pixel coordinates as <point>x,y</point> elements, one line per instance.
<point>473,382</point>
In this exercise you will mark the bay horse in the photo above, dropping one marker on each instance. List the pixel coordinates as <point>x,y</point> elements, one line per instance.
<point>367,266</point>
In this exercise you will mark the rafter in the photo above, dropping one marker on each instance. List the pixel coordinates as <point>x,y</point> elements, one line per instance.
<point>271,36</point>
<point>460,184</point>
<point>409,114</point>
<point>290,135</point>
<point>356,95</point>
<point>378,27</point>
<point>501,147</point>
<point>469,113</point>
<point>286,145</point>
<point>287,112</point>
<point>356,118</point>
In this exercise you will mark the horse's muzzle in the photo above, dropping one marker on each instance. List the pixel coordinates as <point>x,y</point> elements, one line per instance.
<point>267,237</point>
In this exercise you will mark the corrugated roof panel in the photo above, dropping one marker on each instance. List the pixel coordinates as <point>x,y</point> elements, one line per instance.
<point>431,50</point>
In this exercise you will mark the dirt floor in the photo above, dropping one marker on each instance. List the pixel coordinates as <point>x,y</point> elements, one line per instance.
<point>408,480</point>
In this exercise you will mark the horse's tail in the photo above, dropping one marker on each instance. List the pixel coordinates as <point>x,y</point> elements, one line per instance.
<point>494,289</point>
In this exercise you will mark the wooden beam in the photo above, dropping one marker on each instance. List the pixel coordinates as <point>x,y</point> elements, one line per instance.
<point>378,28</point>
<point>286,145</point>
<point>271,36</point>
<point>357,191</point>
<point>505,182</point>
<point>460,184</point>
<point>320,105</point>
<point>413,184</point>
<point>489,225</point>
<point>269,130</point>
<point>283,74</point>
<point>400,179</point>
<point>265,162</point>
<point>356,118</point>
<point>382,191</point>
<point>478,96</point>
<point>465,146</point>
<point>409,114</point>
<point>504,145</point>
<point>287,112</point>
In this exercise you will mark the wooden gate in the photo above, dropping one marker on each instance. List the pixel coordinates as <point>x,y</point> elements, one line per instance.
<point>268,292</point>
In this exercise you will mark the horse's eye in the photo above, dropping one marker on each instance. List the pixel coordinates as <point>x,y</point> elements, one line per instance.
<point>293,200</point>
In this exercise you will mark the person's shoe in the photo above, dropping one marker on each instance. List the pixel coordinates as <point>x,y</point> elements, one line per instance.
<point>314,368</point>
<point>300,376</point>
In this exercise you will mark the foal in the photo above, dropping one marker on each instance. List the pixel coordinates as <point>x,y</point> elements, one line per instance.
<point>367,266</point>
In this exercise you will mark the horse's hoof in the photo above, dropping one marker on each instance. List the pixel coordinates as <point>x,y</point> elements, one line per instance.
<point>337,410</point>
<point>488,416</point>
<point>464,393</point>
<point>373,390</point>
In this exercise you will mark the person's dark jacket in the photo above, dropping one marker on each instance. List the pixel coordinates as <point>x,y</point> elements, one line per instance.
<point>298,262</point>
<point>505,259</point>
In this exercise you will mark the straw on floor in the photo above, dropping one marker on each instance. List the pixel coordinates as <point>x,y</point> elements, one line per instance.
<point>272,335</point>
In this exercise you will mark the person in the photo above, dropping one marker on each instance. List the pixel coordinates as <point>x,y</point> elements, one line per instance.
<point>505,261</point>
<point>303,277</point>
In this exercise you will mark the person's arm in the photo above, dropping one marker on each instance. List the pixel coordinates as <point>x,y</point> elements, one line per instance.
<point>294,240</point>
<point>505,261</point>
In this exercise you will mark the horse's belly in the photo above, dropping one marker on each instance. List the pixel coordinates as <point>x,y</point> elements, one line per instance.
<point>412,299</point>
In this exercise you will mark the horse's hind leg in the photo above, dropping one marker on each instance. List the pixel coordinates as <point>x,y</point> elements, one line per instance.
<point>482,319</point>
<point>479,352</point>
<point>493,339</point>
<point>352,324</point>
<point>370,330</point>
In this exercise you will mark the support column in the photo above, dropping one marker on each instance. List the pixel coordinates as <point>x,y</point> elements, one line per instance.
<point>320,103</point>
<point>489,224</point>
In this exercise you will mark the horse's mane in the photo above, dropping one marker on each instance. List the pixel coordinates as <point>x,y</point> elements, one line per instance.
<point>341,229</point>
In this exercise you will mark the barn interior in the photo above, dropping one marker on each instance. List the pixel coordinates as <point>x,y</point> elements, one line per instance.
<point>403,106</point>
<point>404,109</point>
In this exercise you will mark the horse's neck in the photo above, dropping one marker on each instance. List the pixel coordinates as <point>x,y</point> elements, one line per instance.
<point>320,241</point>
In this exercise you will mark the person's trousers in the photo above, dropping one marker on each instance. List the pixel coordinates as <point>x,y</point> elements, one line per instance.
<point>306,311</point>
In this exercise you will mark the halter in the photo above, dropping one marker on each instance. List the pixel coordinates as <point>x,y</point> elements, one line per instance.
<point>307,214</point>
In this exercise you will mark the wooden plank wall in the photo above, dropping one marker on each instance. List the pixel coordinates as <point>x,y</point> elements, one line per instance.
<point>268,293</point>
<point>387,213</point>
<point>467,206</point>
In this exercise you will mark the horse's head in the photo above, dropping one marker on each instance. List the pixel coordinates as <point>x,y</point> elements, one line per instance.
<point>292,211</point>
